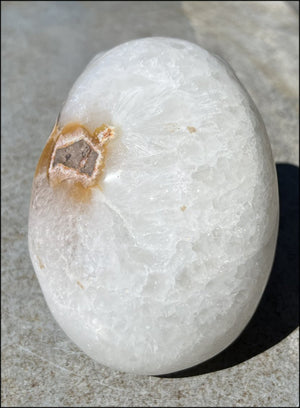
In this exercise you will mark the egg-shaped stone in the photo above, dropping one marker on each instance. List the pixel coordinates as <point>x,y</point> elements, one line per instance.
<point>154,210</point>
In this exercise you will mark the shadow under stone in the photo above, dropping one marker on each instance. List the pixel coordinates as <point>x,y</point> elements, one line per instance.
<point>277,314</point>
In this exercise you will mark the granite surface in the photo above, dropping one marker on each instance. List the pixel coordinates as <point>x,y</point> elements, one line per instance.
<point>45,46</point>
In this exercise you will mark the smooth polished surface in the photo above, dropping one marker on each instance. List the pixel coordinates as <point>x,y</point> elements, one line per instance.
<point>40,366</point>
<point>163,263</point>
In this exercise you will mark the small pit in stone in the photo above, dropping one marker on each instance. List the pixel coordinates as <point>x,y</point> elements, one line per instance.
<point>79,156</point>
<point>191,129</point>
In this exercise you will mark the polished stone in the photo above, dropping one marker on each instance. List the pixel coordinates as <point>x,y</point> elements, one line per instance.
<point>261,368</point>
<point>134,282</point>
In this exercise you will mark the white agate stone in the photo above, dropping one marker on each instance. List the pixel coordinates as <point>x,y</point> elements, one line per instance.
<point>157,260</point>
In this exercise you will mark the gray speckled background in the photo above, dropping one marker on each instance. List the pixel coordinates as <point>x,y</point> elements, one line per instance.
<point>45,46</point>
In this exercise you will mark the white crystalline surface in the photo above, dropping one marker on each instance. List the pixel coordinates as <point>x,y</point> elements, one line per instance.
<point>164,266</point>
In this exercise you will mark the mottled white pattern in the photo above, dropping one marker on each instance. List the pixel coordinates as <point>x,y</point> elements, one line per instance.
<point>173,254</point>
